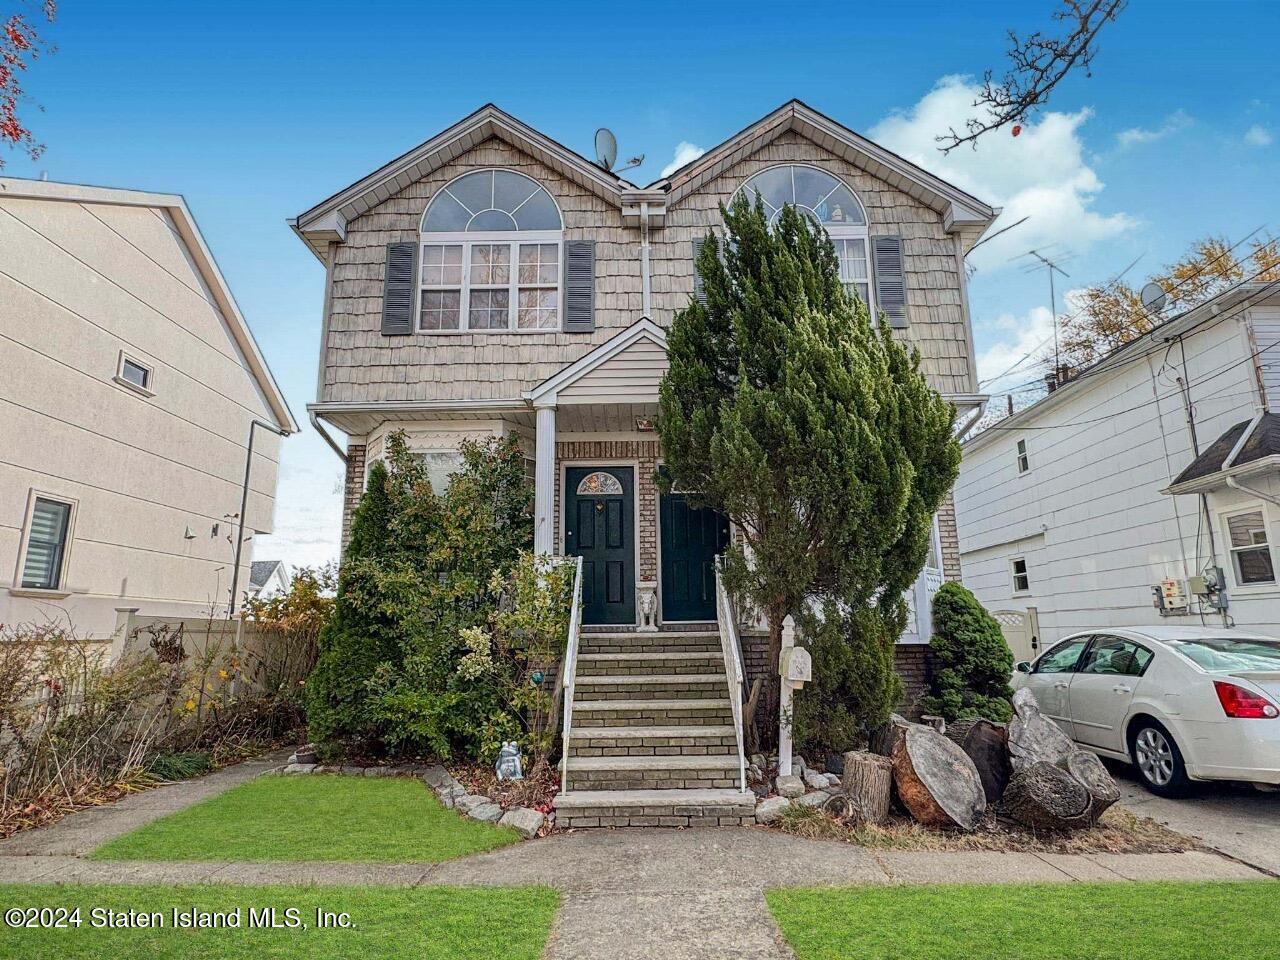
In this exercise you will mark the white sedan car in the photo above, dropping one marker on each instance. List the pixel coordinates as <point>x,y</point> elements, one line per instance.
<point>1180,703</point>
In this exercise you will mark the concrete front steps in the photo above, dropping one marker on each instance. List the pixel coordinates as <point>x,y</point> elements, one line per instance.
<point>652,740</point>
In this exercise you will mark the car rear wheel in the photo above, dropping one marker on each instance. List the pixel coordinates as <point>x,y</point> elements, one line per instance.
<point>1158,760</point>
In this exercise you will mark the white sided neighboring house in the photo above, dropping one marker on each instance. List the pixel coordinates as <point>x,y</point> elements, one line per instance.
<point>128,385</point>
<point>267,579</point>
<point>1144,489</point>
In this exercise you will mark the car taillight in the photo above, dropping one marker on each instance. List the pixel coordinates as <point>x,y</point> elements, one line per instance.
<point>1244,704</point>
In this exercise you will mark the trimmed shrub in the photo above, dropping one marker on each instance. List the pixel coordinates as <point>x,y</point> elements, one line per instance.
<point>972,662</point>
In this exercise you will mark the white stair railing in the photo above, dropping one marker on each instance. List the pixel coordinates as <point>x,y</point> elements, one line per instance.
<point>570,669</point>
<point>731,648</point>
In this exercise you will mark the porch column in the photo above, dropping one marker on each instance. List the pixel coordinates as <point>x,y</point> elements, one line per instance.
<point>544,481</point>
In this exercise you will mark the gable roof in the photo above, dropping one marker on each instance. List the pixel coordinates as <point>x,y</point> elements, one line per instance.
<point>189,232</point>
<point>260,572</point>
<point>327,221</point>
<point>960,210</point>
<point>1246,443</point>
<point>642,329</point>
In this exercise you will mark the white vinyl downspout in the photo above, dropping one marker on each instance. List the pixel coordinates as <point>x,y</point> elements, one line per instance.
<point>646,294</point>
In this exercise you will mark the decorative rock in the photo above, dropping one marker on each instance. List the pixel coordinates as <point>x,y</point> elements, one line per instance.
<point>814,780</point>
<point>833,780</point>
<point>306,753</point>
<point>468,801</point>
<point>815,799</point>
<point>437,777</point>
<point>771,809</point>
<point>327,768</point>
<point>758,760</point>
<point>527,821</point>
<point>790,786</point>
<point>754,774</point>
<point>798,766</point>
<point>485,812</point>
<point>300,768</point>
<point>380,771</point>
<point>351,771</point>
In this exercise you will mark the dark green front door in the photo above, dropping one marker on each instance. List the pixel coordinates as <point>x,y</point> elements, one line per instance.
<point>692,538</point>
<point>600,528</point>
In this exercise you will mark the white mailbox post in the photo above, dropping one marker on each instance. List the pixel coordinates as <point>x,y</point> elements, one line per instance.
<point>795,667</point>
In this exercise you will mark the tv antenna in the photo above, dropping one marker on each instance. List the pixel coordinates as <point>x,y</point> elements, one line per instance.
<point>1052,268</point>
<point>607,152</point>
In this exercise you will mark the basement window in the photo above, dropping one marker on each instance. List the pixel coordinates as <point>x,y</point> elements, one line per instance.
<point>1024,463</point>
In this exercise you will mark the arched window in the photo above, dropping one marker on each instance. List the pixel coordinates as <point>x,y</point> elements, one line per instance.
<point>599,484</point>
<point>490,255</point>
<point>826,200</point>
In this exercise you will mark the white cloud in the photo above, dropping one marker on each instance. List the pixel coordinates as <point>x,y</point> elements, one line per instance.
<point>1258,136</point>
<point>1040,174</point>
<point>686,152</point>
<point>1136,136</point>
<point>1013,338</point>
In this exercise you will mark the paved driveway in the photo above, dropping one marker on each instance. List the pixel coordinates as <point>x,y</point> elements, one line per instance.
<point>1237,820</point>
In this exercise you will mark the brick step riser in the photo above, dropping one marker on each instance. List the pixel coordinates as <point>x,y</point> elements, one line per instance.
<point>641,668</point>
<point>704,716</point>
<point>687,747</point>
<point>710,649</point>
<point>654,816</point>
<point>653,780</point>
<point>584,691</point>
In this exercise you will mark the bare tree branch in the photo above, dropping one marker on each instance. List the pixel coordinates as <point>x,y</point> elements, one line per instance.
<point>1040,63</point>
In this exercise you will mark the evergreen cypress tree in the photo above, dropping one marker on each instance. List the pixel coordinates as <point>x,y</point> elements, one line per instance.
<point>814,431</point>
<point>972,662</point>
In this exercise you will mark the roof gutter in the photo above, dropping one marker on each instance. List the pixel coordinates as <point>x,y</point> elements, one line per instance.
<point>1235,484</point>
<point>326,436</point>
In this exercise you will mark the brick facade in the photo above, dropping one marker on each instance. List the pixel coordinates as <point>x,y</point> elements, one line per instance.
<point>353,489</point>
<point>949,539</point>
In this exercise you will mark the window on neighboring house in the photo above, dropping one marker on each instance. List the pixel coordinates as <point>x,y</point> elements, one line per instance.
<point>1250,548</point>
<point>133,374</point>
<point>47,533</point>
<point>491,256</point>
<point>827,201</point>
<point>1021,581</point>
<point>1024,464</point>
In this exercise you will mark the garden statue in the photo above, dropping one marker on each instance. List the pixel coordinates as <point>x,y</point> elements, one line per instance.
<point>508,766</point>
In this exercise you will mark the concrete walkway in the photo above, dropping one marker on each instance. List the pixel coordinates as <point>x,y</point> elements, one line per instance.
<point>628,894</point>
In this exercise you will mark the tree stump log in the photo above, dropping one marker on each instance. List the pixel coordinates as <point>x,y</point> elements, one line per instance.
<point>987,745</point>
<point>868,782</point>
<point>1034,738</point>
<point>884,739</point>
<point>1044,796</point>
<point>936,780</point>
<point>1088,770</point>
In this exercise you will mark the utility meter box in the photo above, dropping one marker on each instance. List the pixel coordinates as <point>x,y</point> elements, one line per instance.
<point>1174,595</point>
<point>796,666</point>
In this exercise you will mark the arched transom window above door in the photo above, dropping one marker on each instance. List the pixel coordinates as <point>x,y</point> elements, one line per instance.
<point>599,484</point>
<point>491,256</point>
<point>826,200</point>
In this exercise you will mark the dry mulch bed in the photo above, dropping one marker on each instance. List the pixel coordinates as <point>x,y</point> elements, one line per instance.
<point>1118,831</point>
<point>537,790</point>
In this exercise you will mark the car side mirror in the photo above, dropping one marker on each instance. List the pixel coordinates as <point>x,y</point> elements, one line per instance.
<point>1022,666</point>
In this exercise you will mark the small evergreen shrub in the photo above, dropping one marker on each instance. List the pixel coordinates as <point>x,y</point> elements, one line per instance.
<point>972,662</point>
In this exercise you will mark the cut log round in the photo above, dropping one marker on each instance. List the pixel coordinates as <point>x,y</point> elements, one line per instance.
<point>987,745</point>
<point>957,730</point>
<point>1034,738</point>
<point>1024,703</point>
<point>936,780</point>
<point>1044,796</point>
<point>1088,770</point>
<point>868,782</point>
<point>884,739</point>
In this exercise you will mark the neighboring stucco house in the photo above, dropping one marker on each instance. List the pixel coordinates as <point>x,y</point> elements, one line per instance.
<point>128,383</point>
<point>1133,479</point>
<point>267,579</point>
<point>492,281</point>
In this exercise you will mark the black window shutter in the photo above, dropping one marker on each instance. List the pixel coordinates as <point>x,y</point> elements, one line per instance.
<point>699,289</point>
<point>397,289</point>
<point>891,280</point>
<point>579,286</point>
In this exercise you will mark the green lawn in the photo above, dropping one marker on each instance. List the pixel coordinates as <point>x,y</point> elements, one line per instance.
<point>332,818</point>
<point>1119,921</point>
<point>425,923</point>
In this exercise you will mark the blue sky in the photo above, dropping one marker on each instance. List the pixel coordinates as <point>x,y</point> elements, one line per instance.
<point>256,111</point>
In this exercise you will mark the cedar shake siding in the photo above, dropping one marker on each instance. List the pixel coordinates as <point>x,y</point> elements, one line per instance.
<point>362,365</point>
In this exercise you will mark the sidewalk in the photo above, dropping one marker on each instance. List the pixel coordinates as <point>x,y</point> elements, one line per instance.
<point>628,894</point>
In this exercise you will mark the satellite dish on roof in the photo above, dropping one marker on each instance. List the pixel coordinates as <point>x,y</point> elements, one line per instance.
<point>606,148</point>
<point>1154,297</point>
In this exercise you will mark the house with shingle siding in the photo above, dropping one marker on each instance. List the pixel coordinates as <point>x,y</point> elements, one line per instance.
<point>491,281</point>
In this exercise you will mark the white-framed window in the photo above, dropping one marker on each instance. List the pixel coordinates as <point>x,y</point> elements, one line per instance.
<point>828,201</point>
<point>135,374</point>
<point>46,542</point>
<point>1018,572</point>
<point>1249,543</point>
<point>1024,463</point>
<point>491,255</point>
